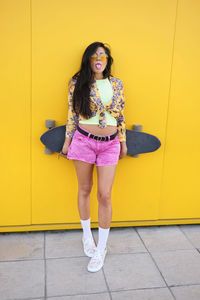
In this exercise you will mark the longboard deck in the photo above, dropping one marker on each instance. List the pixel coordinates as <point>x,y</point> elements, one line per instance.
<point>137,142</point>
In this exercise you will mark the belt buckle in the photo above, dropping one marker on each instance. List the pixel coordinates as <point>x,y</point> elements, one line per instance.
<point>104,138</point>
<point>100,138</point>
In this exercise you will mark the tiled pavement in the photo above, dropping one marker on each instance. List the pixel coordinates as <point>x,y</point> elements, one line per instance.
<point>151,262</point>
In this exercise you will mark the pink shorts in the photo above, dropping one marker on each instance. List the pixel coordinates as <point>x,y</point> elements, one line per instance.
<point>93,151</point>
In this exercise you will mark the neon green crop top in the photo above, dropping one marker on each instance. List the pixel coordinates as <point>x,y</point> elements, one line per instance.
<point>106,93</point>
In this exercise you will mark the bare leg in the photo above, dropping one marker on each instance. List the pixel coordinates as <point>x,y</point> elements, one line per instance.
<point>84,173</point>
<point>106,175</point>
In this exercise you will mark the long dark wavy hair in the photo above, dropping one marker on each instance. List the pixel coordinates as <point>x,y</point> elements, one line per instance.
<point>85,76</point>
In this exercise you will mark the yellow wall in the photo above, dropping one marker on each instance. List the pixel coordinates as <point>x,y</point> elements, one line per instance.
<point>155,45</point>
<point>15,123</point>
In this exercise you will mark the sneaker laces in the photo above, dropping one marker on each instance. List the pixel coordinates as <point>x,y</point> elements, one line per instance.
<point>88,243</point>
<point>96,257</point>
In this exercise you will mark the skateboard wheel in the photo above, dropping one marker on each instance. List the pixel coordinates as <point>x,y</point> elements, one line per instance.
<point>48,151</point>
<point>137,127</point>
<point>50,123</point>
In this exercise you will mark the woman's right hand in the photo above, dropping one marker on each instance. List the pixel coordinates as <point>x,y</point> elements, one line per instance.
<point>65,148</point>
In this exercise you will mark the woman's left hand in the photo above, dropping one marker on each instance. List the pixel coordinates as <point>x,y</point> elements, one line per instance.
<point>123,150</point>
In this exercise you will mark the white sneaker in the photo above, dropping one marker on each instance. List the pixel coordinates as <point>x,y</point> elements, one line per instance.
<point>89,246</point>
<point>97,261</point>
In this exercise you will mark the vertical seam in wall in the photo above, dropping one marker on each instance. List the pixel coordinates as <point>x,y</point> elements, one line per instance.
<point>169,94</point>
<point>30,3</point>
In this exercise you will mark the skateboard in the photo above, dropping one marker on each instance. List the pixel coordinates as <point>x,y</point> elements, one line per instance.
<point>137,141</point>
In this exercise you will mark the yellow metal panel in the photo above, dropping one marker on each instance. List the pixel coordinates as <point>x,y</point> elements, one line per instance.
<point>15,113</point>
<point>141,37</point>
<point>155,47</point>
<point>180,189</point>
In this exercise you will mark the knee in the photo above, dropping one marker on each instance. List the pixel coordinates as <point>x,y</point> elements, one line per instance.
<point>85,189</point>
<point>104,197</point>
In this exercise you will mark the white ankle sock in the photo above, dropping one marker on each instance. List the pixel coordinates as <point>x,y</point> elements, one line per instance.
<point>103,236</point>
<point>86,228</point>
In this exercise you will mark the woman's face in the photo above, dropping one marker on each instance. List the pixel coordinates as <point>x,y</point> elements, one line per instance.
<point>97,64</point>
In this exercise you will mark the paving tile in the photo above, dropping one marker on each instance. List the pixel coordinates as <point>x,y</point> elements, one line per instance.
<point>179,267</point>
<point>69,276</point>
<point>147,294</point>
<point>131,271</point>
<point>192,232</point>
<point>21,245</point>
<point>191,292</point>
<point>161,238</point>
<point>63,244</point>
<point>101,296</point>
<point>21,279</point>
<point>122,240</point>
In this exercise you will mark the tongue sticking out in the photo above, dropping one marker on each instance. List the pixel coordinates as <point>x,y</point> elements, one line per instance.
<point>98,66</point>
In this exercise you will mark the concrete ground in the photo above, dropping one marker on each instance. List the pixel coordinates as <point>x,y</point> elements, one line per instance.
<point>151,262</point>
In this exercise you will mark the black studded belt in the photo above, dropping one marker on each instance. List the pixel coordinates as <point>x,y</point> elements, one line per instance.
<point>97,137</point>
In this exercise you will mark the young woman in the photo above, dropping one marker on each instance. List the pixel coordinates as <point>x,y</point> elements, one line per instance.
<point>95,134</point>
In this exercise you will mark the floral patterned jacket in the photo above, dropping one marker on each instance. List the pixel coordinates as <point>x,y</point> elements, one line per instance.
<point>115,107</point>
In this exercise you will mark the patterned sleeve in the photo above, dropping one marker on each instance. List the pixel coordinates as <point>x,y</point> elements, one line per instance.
<point>121,120</point>
<point>72,120</point>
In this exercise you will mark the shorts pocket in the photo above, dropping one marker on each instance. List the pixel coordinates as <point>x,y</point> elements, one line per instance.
<point>81,137</point>
<point>115,141</point>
